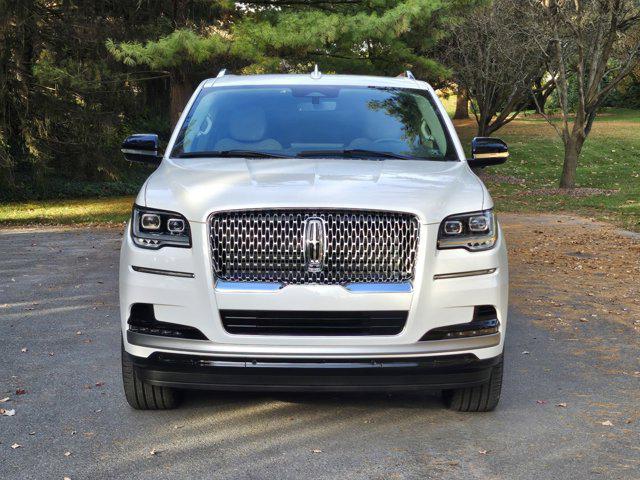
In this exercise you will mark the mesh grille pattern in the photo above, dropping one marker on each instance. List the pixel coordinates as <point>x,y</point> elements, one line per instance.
<point>267,246</point>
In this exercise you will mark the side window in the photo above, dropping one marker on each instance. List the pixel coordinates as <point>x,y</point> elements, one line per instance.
<point>199,123</point>
<point>431,128</point>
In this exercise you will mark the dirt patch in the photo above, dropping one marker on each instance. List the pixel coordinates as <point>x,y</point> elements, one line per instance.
<point>573,192</point>
<point>496,178</point>
<point>571,272</point>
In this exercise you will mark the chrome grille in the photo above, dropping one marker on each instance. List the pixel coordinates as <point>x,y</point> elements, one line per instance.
<point>267,246</point>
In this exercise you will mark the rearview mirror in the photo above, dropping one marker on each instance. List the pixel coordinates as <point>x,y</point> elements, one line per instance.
<point>141,147</point>
<point>487,151</point>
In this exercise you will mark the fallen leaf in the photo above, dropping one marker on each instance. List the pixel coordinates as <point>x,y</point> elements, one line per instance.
<point>16,445</point>
<point>21,391</point>
<point>606,423</point>
<point>316,450</point>
<point>7,413</point>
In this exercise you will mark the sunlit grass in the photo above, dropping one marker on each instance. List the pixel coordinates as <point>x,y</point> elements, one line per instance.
<point>67,212</point>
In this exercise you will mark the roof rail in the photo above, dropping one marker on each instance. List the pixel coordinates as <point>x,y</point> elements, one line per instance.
<point>407,74</point>
<point>222,73</point>
<point>316,73</point>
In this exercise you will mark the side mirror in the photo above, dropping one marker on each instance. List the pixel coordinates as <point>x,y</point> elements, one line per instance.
<point>488,151</point>
<point>142,147</point>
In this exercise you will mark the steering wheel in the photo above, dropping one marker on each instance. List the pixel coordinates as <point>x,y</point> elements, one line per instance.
<point>389,141</point>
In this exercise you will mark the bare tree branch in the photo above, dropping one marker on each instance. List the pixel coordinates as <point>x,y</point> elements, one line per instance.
<point>588,42</point>
<point>495,61</point>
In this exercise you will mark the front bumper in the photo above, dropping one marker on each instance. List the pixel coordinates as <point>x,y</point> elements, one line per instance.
<point>262,374</point>
<point>197,300</point>
<point>155,343</point>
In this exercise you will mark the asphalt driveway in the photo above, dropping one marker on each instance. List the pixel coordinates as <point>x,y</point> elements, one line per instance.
<point>570,406</point>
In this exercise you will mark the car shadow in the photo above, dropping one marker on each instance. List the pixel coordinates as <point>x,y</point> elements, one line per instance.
<point>197,399</point>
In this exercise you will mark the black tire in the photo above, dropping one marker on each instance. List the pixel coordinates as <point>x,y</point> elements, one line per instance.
<point>483,398</point>
<point>142,396</point>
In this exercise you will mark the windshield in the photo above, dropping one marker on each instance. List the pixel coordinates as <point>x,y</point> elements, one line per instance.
<point>314,121</point>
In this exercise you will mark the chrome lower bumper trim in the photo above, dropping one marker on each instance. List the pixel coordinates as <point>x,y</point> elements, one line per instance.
<point>168,273</point>
<point>248,286</point>
<point>364,287</point>
<point>419,349</point>
<point>404,287</point>
<point>471,273</point>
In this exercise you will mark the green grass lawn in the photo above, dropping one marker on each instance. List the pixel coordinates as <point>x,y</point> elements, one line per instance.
<point>610,161</point>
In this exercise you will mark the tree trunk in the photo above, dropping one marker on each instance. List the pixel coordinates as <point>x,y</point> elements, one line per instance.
<point>181,90</point>
<point>540,95</point>
<point>539,103</point>
<point>462,105</point>
<point>572,149</point>
<point>17,70</point>
<point>483,126</point>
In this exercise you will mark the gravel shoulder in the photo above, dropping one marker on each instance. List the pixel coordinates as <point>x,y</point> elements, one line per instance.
<point>570,406</point>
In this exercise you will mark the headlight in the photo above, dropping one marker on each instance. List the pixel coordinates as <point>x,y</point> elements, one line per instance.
<point>157,228</point>
<point>474,231</point>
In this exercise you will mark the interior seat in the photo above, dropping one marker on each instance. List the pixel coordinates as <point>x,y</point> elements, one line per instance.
<point>247,128</point>
<point>379,132</point>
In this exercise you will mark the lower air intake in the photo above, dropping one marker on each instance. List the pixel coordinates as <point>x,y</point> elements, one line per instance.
<point>143,320</point>
<point>267,322</point>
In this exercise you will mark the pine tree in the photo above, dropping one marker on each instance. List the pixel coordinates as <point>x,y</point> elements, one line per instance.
<point>367,37</point>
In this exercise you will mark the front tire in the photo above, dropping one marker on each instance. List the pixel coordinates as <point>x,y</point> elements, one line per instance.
<point>142,396</point>
<point>482,398</point>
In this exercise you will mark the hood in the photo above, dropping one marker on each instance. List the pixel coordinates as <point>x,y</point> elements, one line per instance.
<point>431,190</point>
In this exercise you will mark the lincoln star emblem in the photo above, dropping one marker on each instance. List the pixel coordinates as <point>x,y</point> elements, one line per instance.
<point>314,241</point>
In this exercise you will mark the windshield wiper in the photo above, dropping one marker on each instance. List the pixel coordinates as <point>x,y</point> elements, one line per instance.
<point>356,152</point>
<point>231,153</point>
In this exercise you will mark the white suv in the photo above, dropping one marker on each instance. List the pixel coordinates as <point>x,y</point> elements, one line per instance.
<point>313,232</point>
